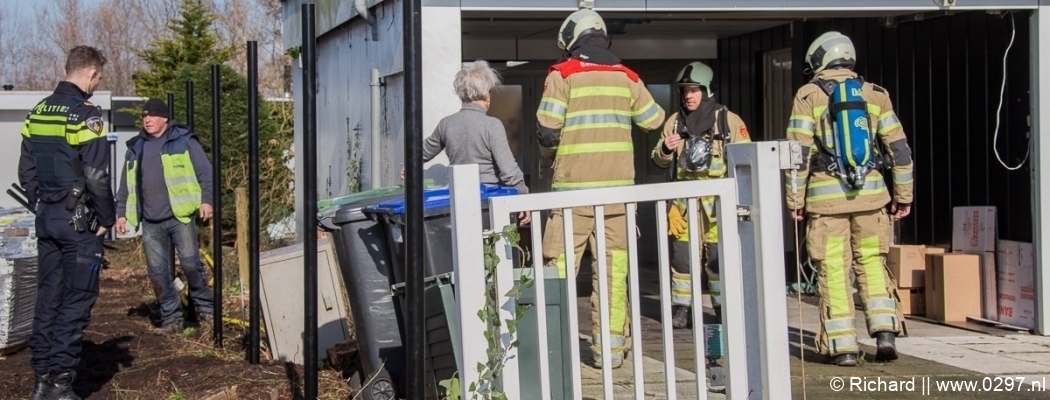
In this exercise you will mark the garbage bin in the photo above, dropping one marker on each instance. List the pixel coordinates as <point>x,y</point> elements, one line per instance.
<point>364,263</point>
<point>437,221</point>
<point>558,337</point>
<point>441,327</point>
<point>438,268</point>
<point>441,323</point>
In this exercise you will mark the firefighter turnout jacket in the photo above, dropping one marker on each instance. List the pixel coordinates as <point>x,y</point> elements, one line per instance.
<point>820,192</point>
<point>737,134</point>
<point>585,120</point>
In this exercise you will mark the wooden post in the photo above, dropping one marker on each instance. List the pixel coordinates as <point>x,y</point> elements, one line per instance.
<point>241,201</point>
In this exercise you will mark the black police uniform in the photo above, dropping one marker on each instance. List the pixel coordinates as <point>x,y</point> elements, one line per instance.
<point>64,150</point>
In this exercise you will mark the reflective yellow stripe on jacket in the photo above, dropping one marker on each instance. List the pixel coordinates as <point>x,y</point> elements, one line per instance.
<point>594,112</point>
<point>56,126</point>
<point>184,191</point>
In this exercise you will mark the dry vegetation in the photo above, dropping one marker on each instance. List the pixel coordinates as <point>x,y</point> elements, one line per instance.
<point>123,360</point>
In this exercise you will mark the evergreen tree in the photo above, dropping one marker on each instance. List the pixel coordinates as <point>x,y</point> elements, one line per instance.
<point>187,55</point>
<point>192,40</point>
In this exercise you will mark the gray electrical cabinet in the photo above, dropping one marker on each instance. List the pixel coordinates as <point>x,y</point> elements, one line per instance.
<point>282,278</point>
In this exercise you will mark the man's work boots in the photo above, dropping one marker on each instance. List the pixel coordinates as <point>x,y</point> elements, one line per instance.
<point>62,387</point>
<point>680,317</point>
<point>844,360</point>
<point>172,329</point>
<point>206,323</point>
<point>41,388</point>
<point>886,349</point>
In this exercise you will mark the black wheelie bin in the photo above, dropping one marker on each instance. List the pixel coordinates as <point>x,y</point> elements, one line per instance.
<point>365,265</point>
<point>440,325</point>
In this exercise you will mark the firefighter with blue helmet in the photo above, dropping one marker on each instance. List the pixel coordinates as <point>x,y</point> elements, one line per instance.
<point>64,168</point>
<point>846,200</point>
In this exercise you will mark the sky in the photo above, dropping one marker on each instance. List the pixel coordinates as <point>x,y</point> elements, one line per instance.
<point>25,8</point>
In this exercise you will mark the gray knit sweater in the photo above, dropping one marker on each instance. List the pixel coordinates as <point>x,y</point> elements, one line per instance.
<point>472,137</point>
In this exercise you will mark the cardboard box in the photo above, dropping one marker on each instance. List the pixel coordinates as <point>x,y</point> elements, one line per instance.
<point>989,291</point>
<point>908,264</point>
<point>913,300</point>
<point>953,286</point>
<point>1016,279</point>
<point>1009,252</point>
<point>1026,254</point>
<point>934,250</point>
<point>973,229</point>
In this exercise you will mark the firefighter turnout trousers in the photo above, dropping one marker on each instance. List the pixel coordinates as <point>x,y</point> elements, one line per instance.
<point>67,286</point>
<point>857,241</point>
<point>584,235</point>
<point>681,286</point>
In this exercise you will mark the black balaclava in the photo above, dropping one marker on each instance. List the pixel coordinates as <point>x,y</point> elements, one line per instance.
<point>594,48</point>
<point>699,121</point>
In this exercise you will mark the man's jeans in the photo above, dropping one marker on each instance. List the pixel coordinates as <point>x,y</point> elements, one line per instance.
<point>156,238</point>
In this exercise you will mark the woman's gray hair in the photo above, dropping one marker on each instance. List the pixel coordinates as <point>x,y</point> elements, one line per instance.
<point>475,81</point>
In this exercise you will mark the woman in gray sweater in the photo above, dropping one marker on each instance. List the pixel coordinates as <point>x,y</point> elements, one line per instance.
<point>470,136</point>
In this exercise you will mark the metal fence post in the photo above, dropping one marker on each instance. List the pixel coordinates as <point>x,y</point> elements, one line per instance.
<point>756,168</point>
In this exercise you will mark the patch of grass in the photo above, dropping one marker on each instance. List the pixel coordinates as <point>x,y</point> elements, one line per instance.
<point>118,392</point>
<point>208,354</point>
<point>177,395</point>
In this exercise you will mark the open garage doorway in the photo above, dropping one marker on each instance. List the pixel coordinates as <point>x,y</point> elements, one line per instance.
<point>943,71</point>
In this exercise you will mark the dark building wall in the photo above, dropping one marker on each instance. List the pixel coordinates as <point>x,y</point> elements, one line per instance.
<point>943,74</point>
<point>738,72</point>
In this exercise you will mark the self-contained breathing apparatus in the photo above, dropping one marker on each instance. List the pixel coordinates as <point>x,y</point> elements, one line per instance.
<point>696,155</point>
<point>853,151</point>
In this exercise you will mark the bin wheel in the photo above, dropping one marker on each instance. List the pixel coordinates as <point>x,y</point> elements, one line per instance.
<point>379,387</point>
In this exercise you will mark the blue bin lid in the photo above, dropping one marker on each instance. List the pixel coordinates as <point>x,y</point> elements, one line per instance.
<point>437,198</point>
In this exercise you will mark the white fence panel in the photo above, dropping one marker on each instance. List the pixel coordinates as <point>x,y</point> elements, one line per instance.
<point>751,269</point>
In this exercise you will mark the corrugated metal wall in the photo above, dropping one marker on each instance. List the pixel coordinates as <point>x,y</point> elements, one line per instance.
<point>944,75</point>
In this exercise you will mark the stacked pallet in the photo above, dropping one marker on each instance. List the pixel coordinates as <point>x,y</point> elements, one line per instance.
<point>18,280</point>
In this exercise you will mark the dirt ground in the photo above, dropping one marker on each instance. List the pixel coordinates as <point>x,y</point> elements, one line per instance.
<point>122,359</point>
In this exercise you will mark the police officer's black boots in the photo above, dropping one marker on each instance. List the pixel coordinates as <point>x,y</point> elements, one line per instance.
<point>41,387</point>
<point>62,387</point>
<point>680,317</point>
<point>886,349</point>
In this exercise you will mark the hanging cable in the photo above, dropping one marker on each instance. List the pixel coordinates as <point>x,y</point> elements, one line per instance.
<point>1002,92</point>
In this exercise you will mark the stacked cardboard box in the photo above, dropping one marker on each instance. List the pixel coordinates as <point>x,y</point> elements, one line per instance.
<point>974,232</point>
<point>952,282</point>
<point>907,263</point>
<point>1016,277</point>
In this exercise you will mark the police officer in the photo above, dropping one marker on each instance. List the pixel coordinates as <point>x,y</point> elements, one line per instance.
<point>694,140</point>
<point>848,222</point>
<point>590,100</point>
<point>64,168</point>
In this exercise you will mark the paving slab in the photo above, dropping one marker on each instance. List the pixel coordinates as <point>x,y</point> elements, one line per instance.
<point>933,357</point>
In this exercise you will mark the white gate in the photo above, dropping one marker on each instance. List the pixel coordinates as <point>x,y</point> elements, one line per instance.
<point>752,274</point>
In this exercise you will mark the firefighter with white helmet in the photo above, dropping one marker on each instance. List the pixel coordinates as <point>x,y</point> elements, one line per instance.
<point>841,188</point>
<point>590,101</point>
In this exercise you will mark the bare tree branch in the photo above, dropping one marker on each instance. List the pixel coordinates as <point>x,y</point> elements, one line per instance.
<point>34,52</point>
